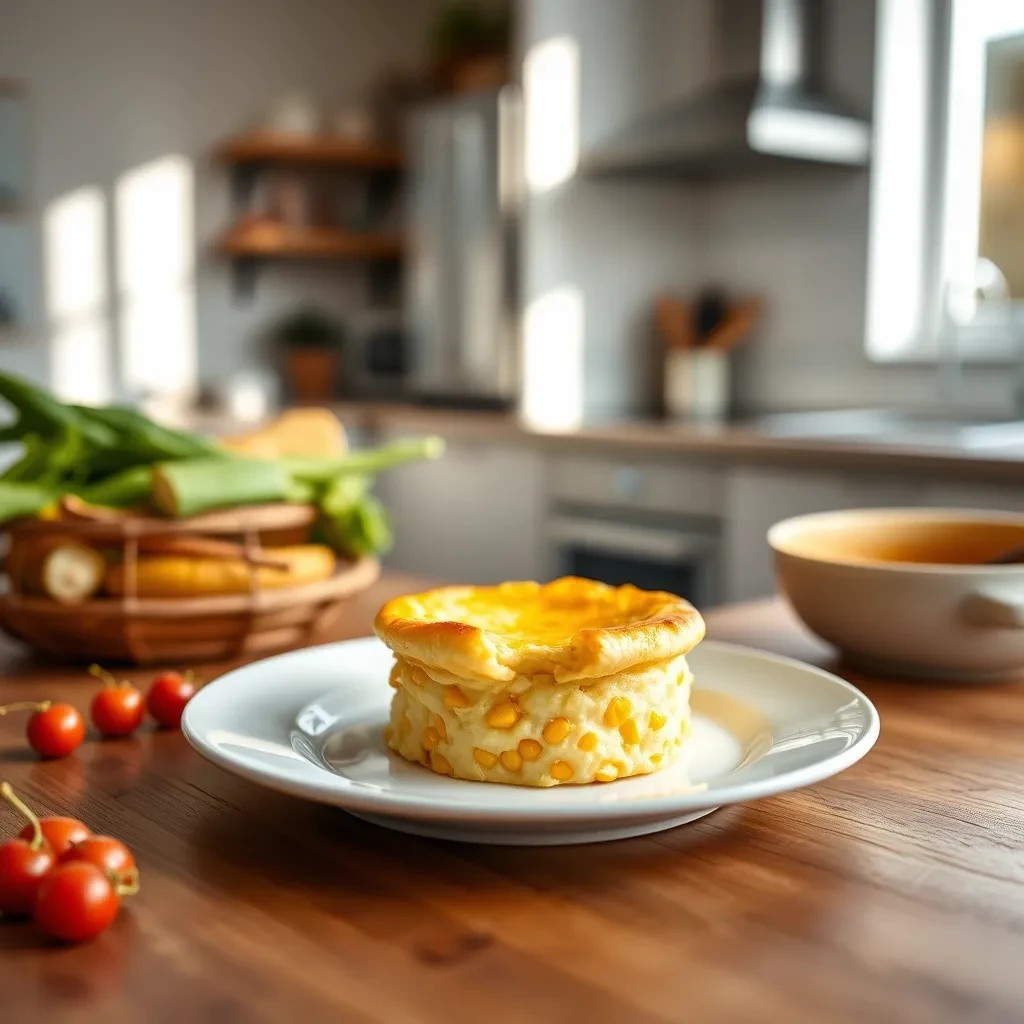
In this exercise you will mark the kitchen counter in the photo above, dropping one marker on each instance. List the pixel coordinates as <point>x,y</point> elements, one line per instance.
<point>735,442</point>
<point>892,892</point>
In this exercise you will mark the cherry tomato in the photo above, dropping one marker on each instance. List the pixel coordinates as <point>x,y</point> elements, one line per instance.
<point>56,730</point>
<point>168,696</point>
<point>23,862</point>
<point>23,867</point>
<point>118,709</point>
<point>75,902</point>
<point>110,855</point>
<point>60,833</point>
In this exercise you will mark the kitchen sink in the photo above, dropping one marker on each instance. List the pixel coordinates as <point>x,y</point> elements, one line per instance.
<point>893,426</point>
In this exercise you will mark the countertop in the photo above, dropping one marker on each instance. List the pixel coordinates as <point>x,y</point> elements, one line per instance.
<point>736,442</point>
<point>893,892</point>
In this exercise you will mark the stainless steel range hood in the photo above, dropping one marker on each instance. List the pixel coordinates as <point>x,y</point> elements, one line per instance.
<point>781,113</point>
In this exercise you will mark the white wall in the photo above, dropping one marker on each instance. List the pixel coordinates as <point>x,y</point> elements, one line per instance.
<point>116,84</point>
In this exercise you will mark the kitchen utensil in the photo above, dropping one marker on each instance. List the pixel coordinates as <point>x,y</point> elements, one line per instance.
<point>762,725</point>
<point>734,327</point>
<point>710,310</point>
<point>673,320</point>
<point>944,621</point>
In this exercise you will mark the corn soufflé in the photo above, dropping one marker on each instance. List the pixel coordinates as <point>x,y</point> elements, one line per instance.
<point>567,682</point>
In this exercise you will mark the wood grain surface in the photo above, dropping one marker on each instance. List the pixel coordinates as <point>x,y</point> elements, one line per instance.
<point>894,892</point>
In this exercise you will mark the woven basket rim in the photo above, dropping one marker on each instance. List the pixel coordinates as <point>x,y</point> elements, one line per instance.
<point>264,518</point>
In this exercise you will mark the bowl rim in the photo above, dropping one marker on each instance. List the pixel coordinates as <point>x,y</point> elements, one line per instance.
<point>781,532</point>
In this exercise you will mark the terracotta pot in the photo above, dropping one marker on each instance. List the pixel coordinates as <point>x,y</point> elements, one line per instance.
<point>478,72</point>
<point>311,374</point>
<point>481,73</point>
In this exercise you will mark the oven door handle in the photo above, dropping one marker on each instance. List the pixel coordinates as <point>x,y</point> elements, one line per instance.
<point>629,539</point>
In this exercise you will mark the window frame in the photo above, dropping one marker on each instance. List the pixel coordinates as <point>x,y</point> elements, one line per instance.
<point>915,233</point>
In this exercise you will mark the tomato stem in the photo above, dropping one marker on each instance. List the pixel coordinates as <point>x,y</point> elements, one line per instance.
<point>26,705</point>
<point>105,677</point>
<point>7,792</point>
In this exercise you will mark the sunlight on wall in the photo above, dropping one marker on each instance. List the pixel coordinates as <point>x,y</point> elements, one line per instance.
<point>155,267</point>
<point>553,359</point>
<point>899,182</point>
<point>74,234</point>
<point>551,93</point>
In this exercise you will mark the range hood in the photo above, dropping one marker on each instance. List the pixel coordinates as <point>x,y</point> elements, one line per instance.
<point>780,113</point>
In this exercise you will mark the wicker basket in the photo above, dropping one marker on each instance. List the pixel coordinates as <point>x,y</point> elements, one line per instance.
<point>181,630</point>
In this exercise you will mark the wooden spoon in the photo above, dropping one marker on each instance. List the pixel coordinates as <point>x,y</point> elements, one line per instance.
<point>674,320</point>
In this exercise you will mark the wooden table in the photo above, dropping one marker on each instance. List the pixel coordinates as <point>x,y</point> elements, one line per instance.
<point>894,892</point>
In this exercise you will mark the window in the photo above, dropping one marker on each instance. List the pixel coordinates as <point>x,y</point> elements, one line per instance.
<point>155,267</point>
<point>75,244</point>
<point>946,248</point>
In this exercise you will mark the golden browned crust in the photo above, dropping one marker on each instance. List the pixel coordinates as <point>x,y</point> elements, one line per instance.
<point>572,628</point>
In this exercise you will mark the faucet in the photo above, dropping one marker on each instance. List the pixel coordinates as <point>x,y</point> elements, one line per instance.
<point>959,308</point>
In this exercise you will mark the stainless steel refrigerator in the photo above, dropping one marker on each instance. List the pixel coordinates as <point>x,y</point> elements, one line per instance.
<point>465,207</point>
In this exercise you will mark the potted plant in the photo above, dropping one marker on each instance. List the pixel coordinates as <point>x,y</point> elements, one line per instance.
<point>470,44</point>
<point>307,345</point>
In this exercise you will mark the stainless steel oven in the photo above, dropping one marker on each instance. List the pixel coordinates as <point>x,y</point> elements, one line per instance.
<point>654,524</point>
<point>677,555</point>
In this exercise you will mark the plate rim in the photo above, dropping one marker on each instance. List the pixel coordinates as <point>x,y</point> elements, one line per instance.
<point>334,790</point>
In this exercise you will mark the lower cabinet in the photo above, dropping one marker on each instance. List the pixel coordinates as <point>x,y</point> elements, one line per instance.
<point>757,498</point>
<point>473,516</point>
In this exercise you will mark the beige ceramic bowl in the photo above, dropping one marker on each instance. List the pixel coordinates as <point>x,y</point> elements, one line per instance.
<point>904,591</point>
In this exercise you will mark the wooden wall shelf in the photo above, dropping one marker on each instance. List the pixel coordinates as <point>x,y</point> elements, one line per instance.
<point>314,151</point>
<point>253,241</point>
<point>274,241</point>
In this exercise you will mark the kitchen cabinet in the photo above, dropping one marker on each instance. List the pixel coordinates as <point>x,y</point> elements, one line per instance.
<point>472,516</point>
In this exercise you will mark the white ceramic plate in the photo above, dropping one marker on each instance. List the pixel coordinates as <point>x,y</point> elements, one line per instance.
<point>310,723</point>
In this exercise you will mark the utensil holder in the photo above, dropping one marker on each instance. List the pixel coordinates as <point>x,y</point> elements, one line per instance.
<point>697,384</point>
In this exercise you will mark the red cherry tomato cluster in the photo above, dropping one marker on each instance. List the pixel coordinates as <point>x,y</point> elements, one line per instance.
<point>67,880</point>
<point>118,709</point>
